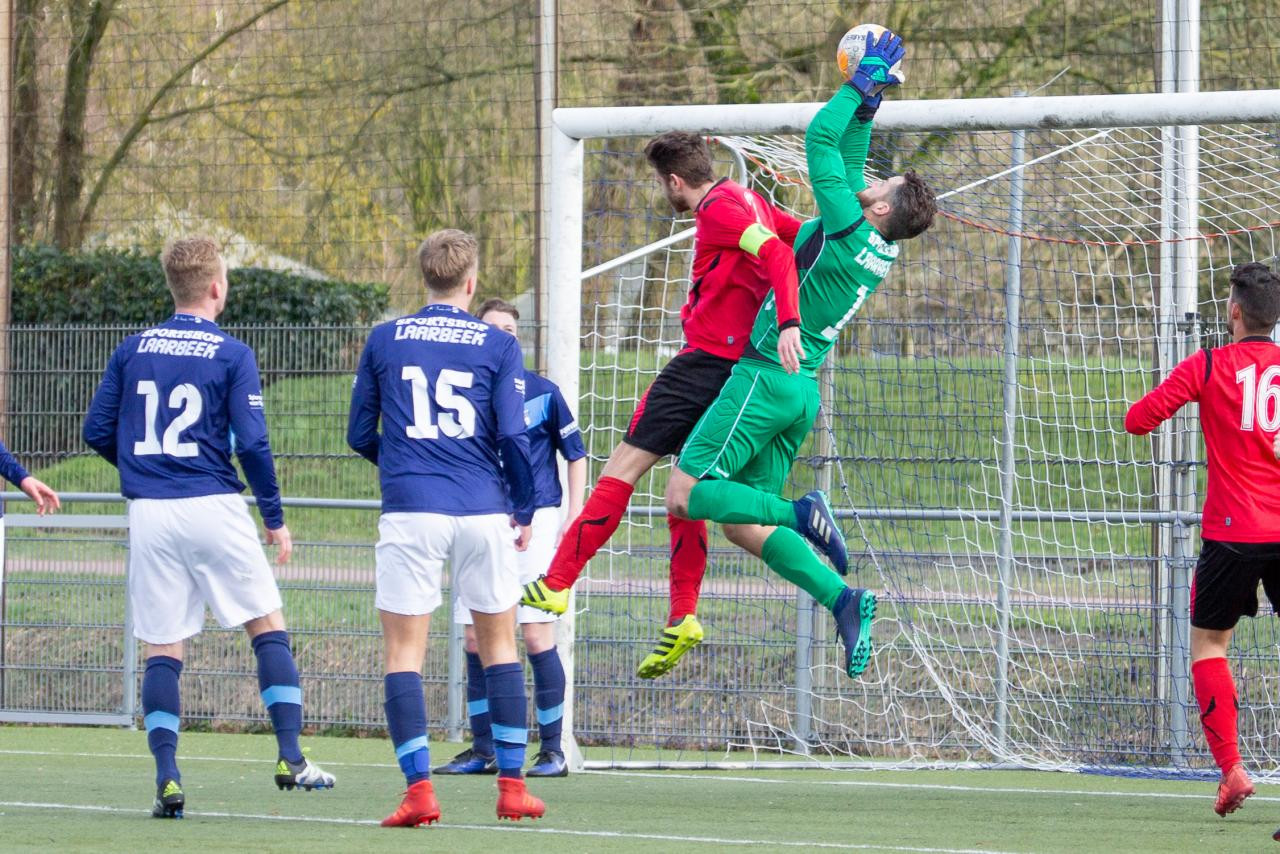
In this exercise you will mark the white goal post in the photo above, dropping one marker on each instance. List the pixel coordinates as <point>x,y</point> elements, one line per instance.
<point>1171,125</point>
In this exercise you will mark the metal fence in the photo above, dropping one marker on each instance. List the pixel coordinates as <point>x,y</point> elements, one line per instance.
<point>767,679</point>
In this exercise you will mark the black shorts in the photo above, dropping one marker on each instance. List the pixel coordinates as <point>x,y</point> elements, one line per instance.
<point>1225,587</point>
<point>676,400</point>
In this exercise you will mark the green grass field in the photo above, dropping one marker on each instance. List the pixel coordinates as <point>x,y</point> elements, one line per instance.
<point>65,789</point>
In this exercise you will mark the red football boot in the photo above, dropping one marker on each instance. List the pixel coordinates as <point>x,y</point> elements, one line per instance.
<point>418,807</point>
<point>1234,787</point>
<point>515,802</point>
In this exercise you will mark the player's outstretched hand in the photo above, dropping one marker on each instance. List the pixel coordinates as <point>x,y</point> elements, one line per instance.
<point>45,498</point>
<point>873,75</point>
<point>790,351</point>
<point>282,538</point>
<point>524,533</point>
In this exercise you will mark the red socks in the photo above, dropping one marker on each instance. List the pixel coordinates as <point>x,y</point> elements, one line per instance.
<point>1216,694</point>
<point>688,565</point>
<point>594,526</point>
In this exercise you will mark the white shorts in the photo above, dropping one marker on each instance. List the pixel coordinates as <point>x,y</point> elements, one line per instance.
<point>531,562</point>
<point>186,553</point>
<point>413,547</point>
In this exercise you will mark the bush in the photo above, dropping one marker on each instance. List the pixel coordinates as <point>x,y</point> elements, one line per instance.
<point>109,287</point>
<point>84,303</point>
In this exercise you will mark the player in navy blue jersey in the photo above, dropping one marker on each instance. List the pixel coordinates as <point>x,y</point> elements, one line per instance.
<point>552,431</point>
<point>175,402</point>
<point>453,461</point>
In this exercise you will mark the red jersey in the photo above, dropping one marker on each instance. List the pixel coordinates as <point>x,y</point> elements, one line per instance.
<point>735,265</point>
<point>1238,389</point>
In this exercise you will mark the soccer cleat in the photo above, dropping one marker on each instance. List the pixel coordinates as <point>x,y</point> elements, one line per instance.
<point>1234,787</point>
<point>469,762</point>
<point>302,775</point>
<point>169,801</point>
<point>515,802</point>
<point>854,611</point>
<point>538,595</point>
<point>675,642</point>
<point>548,763</point>
<point>418,807</point>
<point>816,522</point>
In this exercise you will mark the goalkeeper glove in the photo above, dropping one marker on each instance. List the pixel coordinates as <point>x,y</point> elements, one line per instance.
<point>873,73</point>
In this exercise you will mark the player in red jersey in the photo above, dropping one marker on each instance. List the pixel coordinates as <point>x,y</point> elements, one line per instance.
<point>1238,389</point>
<point>742,250</point>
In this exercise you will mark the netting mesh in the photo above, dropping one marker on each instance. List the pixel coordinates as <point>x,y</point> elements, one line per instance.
<point>1050,635</point>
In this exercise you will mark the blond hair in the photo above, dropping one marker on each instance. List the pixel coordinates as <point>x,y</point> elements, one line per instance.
<point>190,264</point>
<point>447,258</point>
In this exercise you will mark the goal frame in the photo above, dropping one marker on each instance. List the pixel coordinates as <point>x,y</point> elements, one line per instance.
<point>1179,113</point>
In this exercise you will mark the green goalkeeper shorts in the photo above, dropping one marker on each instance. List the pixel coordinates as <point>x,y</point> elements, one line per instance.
<point>754,429</point>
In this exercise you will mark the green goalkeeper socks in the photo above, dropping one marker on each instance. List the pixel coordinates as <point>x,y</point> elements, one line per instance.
<point>785,551</point>
<point>788,555</point>
<point>732,503</point>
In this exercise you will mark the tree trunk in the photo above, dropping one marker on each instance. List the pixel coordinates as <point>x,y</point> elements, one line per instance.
<point>26,117</point>
<point>88,24</point>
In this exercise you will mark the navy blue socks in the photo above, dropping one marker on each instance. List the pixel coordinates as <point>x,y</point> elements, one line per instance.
<point>281,692</point>
<point>407,723</point>
<point>504,685</point>
<point>161,707</point>
<point>548,687</point>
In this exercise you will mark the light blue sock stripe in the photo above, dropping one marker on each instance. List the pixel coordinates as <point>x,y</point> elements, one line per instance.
<point>550,716</point>
<point>413,744</point>
<point>511,734</point>
<point>282,694</point>
<point>161,720</point>
<point>477,707</point>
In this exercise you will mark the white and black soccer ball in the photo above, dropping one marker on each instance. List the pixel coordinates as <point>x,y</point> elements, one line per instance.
<point>853,45</point>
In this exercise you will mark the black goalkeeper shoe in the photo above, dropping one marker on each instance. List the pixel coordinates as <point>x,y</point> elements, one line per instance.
<point>169,800</point>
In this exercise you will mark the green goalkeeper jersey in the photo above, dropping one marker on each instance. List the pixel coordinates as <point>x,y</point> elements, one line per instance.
<point>840,257</point>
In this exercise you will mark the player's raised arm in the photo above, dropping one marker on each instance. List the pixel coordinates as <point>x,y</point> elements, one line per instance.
<point>252,445</point>
<point>1182,386</point>
<point>513,439</point>
<point>836,163</point>
<point>366,405</point>
<point>99,430</point>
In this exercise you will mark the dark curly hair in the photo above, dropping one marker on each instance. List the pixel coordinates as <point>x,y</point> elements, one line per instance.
<point>912,209</point>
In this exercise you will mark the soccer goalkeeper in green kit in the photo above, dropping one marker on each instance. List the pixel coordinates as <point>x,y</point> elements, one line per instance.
<point>735,464</point>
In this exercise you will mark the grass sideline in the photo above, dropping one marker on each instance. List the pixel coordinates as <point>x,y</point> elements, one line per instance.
<point>71,789</point>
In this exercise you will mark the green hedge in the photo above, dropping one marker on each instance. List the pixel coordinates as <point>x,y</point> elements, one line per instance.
<point>56,366</point>
<point>109,286</point>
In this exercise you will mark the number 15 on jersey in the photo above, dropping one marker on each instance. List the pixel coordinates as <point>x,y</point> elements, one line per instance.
<point>456,418</point>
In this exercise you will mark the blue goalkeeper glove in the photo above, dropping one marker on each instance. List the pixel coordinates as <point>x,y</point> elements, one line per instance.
<point>873,75</point>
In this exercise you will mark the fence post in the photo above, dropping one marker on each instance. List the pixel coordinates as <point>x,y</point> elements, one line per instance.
<point>805,604</point>
<point>1008,439</point>
<point>457,688</point>
<point>129,667</point>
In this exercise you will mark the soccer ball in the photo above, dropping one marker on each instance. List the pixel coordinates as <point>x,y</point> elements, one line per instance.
<point>853,45</point>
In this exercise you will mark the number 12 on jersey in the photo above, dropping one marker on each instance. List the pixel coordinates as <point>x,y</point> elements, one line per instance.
<point>1261,398</point>
<point>184,396</point>
<point>457,417</point>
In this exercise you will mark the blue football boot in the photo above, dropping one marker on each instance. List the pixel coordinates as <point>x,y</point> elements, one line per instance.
<point>817,523</point>
<point>469,762</point>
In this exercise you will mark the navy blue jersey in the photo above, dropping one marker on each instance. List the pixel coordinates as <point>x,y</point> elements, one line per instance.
<point>11,470</point>
<point>551,429</point>
<point>174,402</point>
<point>449,391</point>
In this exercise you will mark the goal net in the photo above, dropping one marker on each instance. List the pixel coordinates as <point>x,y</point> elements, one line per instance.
<point>1033,559</point>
